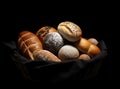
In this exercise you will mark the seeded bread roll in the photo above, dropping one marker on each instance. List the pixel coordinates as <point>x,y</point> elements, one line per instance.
<point>70,31</point>
<point>28,43</point>
<point>42,32</point>
<point>68,52</point>
<point>87,47</point>
<point>46,56</point>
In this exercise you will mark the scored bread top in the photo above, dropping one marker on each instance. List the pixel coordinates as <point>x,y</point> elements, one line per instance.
<point>28,42</point>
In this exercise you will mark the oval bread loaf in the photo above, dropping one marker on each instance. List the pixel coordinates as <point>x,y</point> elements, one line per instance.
<point>28,42</point>
<point>46,56</point>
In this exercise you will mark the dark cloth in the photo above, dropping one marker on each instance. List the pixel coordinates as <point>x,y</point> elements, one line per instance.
<point>51,72</point>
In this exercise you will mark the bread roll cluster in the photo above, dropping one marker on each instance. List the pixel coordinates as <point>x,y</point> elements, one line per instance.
<point>57,44</point>
<point>87,47</point>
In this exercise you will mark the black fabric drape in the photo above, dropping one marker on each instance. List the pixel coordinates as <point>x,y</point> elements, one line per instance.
<point>52,72</point>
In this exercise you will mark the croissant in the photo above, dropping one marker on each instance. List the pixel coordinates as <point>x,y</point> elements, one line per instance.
<point>28,43</point>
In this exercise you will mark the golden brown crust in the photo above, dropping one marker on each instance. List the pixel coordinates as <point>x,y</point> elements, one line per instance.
<point>93,50</point>
<point>84,57</point>
<point>28,42</point>
<point>42,32</point>
<point>87,47</point>
<point>83,45</point>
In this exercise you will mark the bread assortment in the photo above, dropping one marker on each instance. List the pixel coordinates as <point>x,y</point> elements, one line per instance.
<point>49,43</point>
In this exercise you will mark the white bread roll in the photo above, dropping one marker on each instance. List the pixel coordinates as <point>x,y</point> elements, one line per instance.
<point>68,52</point>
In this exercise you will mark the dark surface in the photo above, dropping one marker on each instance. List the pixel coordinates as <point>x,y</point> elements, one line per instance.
<point>91,25</point>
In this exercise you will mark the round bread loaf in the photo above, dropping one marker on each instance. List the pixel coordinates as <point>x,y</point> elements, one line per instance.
<point>46,56</point>
<point>70,31</point>
<point>53,42</point>
<point>42,32</point>
<point>68,52</point>
<point>28,43</point>
<point>87,47</point>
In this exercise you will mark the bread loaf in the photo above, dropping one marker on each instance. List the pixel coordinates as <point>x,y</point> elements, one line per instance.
<point>28,43</point>
<point>42,32</point>
<point>70,31</point>
<point>87,47</point>
<point>46,56</point>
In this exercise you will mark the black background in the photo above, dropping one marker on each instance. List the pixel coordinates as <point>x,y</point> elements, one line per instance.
<point>94,23</point>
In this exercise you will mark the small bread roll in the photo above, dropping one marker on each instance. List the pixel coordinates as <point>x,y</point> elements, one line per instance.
<point>93,50</point>
<point>28,43</point>
<point>53,42</point>
<point>87,47</point>
<point>46,56</point>
<point>83,45</point>
<point>70,31</point>
<point>93,41</point>
<point>68,52</point>
<point>84,57</point>
<point>42,32</point>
